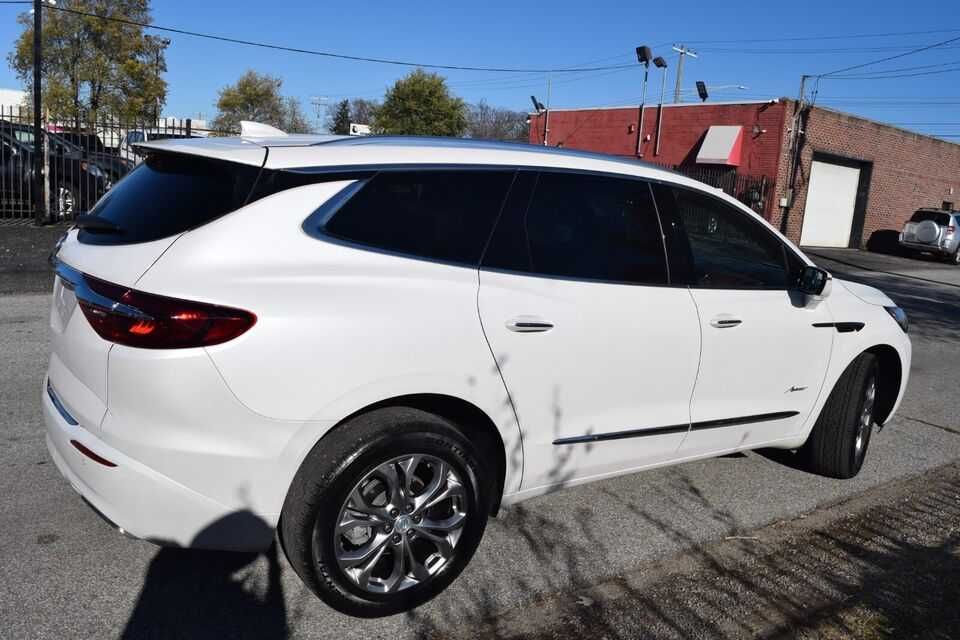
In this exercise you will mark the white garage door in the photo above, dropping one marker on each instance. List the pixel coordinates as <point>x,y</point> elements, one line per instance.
<point>831,197</point>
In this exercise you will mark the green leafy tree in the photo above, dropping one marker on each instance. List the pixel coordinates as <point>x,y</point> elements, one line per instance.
<point>256,96</point>
<point>340,118</point>
<point>91,65</point>
<point>421,104</point>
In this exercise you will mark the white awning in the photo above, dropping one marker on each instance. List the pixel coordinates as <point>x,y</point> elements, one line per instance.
<point>721,145</point>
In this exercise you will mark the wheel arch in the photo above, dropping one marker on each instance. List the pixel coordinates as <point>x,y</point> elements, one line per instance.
<point>889,379</point>
<point>471,419</point>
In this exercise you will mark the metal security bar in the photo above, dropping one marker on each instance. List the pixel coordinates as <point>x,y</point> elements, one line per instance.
<point>81,159</point>
<point>750,190</point>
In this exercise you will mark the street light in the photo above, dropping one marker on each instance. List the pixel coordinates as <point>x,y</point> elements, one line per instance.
<point>644,56</point>
<point>542,110</point>
<point>660,63</point>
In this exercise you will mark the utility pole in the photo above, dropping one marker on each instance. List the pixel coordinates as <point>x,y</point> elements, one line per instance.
<point>684,52</point>
<point>319,103</point>
<point>795,146</point>
<point>546,116</point>
<point>39,206</point>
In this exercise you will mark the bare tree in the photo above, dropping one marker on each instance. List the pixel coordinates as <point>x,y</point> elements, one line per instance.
<point>361,110</point>
<point>496,123</point>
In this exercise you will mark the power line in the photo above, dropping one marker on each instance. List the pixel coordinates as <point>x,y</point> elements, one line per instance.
<point>816,51</point>
<point>896,75</point>
<point>832,37</point>
<point>328,54</point>
<point>888,58</point>
<point>913,68</point>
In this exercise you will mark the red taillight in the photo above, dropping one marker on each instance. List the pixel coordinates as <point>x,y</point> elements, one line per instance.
<point>137,319</point>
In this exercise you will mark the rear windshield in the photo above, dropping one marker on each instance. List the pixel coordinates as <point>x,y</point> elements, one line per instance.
<point>168,194</point>
<point>937,216</point>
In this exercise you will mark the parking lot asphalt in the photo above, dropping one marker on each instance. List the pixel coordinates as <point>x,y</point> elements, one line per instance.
<point>67,574</point>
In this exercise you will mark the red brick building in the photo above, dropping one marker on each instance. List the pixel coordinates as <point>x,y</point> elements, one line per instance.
<point>845,180</point>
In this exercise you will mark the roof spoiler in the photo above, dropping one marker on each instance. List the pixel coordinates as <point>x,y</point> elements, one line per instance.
<point>249,129</point>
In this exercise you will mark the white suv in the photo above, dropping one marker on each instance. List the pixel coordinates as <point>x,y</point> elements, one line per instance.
<point>371,344</point>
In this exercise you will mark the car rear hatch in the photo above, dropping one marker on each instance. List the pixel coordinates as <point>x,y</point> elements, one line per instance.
<point>927,228</point>
<point>127,232</point>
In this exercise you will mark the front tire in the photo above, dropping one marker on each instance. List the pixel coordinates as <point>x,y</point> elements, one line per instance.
<point>838,443</point>
<point>386,511</point>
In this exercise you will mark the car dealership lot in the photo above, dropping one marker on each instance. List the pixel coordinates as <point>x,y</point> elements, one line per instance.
<point>67,574</point>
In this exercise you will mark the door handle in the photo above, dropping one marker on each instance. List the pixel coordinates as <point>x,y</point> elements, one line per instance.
<point>725,321</point>
<point>528,324</point>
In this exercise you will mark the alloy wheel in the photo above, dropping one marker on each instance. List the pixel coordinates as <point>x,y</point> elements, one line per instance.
<point>400,524</point>
<point>865,422</point>
<point>65,202</point>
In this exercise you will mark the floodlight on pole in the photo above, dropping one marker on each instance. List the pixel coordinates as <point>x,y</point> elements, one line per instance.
<point>541,111</point>
<point>702,90</point>
<point>661,64</point>
<point>644,56</point>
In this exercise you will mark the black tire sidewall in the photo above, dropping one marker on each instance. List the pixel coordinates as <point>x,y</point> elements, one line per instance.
<point>427,435</point>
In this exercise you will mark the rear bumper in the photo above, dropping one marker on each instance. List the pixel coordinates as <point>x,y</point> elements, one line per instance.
<point>932,248</point>
<point>141,502</point>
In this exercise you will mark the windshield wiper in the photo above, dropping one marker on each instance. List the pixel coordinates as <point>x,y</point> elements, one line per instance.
<point>96,224</point>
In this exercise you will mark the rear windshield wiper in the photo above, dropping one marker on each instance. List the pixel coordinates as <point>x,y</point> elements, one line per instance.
<point>96,224</point>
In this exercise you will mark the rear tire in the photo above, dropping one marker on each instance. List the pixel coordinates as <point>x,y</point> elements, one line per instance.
<point>341,507</point>
<point>838,443</point>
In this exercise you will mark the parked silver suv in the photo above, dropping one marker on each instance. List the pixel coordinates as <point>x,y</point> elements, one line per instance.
<point>934,231</point>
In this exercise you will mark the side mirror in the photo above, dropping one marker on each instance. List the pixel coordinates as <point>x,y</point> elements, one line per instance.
<point>812,281</point>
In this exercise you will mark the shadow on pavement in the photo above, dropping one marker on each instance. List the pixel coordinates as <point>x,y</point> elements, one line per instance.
<point>194,593</point>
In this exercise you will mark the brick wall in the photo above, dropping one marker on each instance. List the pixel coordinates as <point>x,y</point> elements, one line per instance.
<point>683,128</point>
<point>909,170</point>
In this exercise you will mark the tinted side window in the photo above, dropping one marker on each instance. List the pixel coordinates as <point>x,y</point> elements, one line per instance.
<point>441,215</point>
<point>713,245</point>
<point>592,228</point>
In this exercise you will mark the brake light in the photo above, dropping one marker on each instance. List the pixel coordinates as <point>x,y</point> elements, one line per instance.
<point>148,321</point>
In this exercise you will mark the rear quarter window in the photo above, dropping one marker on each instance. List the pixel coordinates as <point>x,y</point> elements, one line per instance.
<point>168,194</point>
<point>439,215</point>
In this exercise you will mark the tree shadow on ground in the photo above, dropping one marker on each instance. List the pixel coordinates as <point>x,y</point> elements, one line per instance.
<point>884,573</point>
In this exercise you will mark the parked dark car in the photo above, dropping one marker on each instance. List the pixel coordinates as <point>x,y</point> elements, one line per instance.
<point>115,166</point>
<point>85,140</point>
<point>75,183</point>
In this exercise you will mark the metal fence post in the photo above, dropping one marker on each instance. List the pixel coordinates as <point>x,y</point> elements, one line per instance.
<point>39,210</point>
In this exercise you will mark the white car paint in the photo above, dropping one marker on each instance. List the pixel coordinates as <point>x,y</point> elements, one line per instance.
<point>200,434</point>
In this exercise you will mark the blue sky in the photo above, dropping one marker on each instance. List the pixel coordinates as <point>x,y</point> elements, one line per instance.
<point>566,33</point>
